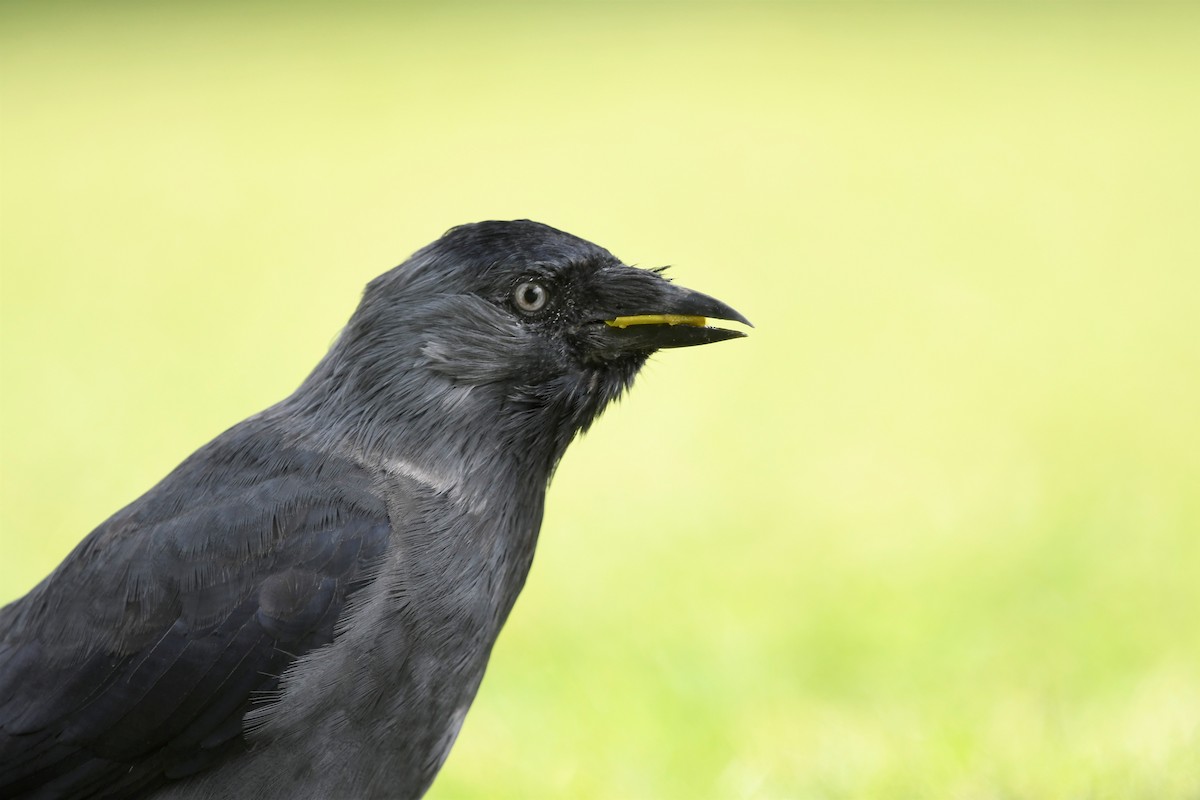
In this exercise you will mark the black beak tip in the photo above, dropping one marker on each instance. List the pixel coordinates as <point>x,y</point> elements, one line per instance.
<point>708,306</point>
<point>738,317</point>
<point>721,335</point>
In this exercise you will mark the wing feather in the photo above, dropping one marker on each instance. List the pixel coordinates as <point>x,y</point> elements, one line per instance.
<point>138,658</point>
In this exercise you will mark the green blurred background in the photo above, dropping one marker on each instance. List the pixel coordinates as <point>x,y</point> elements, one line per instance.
<point>931,532</point>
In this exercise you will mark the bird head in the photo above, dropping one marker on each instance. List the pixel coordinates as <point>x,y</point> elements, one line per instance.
<point>532,328</point>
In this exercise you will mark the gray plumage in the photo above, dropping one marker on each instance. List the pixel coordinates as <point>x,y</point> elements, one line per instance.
<point>304,608</point>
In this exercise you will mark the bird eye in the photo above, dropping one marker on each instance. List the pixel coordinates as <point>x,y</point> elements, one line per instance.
<point>531,297</point>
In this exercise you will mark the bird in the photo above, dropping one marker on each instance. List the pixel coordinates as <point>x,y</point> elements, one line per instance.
<point>305,606</point>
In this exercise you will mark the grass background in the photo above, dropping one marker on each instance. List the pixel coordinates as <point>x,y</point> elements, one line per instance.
<point>930,532</point>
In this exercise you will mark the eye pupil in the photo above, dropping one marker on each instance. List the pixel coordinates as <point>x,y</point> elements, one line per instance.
<point>531,296</point>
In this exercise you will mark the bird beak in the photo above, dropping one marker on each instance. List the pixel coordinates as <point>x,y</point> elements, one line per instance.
<point>660,314</point>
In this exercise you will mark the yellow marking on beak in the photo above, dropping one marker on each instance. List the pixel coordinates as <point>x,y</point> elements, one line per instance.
<point>656,319</point>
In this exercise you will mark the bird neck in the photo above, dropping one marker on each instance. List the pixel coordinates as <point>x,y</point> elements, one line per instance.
<point>456,436</point>
<point>449,437</point>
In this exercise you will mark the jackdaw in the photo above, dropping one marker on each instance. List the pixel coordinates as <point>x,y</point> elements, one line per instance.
<point>305,606</point>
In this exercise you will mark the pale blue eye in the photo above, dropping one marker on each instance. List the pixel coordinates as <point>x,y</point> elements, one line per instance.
<point>531,297</point>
